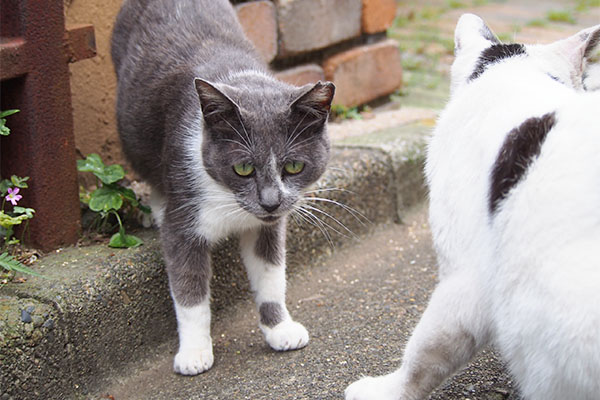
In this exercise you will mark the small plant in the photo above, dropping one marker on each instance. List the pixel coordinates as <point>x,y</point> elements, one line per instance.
<point>10,189</point>
<point>342,112</point>
<point>561,16</point>
<point>538,23</point>
<point>110,198</point>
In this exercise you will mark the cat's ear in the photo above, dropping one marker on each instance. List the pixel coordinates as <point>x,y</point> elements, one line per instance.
<point>472,35</point>
<point>216,106</point>
<point>315,100</point>
<point>577,50</point>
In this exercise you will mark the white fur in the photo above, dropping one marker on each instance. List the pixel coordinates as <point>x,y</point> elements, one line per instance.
<point>195,353</point>
<point>267,281</point>
<point>527,278</point>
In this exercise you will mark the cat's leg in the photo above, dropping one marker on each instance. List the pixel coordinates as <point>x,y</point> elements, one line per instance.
<point>452,329</point>
<point>158,205</point>
<point>188,267</point>
<point>263,253</point>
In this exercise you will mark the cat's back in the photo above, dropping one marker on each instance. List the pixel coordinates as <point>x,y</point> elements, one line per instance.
<point>160,33</point>
<point>554,207</point>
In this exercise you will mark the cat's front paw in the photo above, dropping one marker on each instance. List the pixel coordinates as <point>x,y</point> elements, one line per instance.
<point>369,388</point>
<point>287,335</point>
<point>193,361</point>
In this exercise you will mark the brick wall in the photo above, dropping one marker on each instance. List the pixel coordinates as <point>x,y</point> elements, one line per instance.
<point>338,40</point>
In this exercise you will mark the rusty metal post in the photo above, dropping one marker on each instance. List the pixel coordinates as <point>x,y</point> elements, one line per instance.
<point>35,51</point>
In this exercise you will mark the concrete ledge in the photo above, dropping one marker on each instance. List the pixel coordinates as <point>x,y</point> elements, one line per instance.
<point>101,308</point>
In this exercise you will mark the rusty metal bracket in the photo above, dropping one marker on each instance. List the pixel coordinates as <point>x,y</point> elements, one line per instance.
<point>35,49</point>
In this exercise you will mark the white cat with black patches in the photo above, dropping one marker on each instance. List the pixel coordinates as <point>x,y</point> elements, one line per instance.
<point>227,149</point>
<point>513,169</point>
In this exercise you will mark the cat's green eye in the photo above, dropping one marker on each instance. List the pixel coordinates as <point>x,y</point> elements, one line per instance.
<point>293,167</point>
<point>243,169</point>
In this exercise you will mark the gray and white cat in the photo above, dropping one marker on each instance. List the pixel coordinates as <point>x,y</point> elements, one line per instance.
<point>226,148</point>
<point>513,169</point>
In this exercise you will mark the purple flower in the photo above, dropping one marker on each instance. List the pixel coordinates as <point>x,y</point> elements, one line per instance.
<point>13,196</point>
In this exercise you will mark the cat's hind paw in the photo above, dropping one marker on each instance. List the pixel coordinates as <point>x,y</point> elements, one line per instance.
<point>193,361</point>
<point>287,335</point>
<point>369,388</point>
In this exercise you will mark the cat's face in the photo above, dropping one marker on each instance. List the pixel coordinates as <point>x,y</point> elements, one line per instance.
<point>477,49</point>
<point>266,150</point>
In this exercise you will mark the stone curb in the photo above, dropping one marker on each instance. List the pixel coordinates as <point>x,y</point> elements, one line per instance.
<point>100,308</point>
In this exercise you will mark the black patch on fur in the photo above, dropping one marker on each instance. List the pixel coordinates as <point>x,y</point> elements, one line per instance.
<point>494,54</point>
<point>271,314</point>
<point>522,145</point>
<point>269,244</point>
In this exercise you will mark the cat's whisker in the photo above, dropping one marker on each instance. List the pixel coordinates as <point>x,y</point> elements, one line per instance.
<point>360,217</point>
<point>247,142</point>
<point>314,221</point>
<point>288,141</point>
<point>320,190</point>
<point>307,208</point>
<point>291,142</point>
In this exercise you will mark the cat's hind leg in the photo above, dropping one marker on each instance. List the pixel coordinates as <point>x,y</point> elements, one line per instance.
<point>450,332</point>
<point>263,253</point>
<point>188,267</point>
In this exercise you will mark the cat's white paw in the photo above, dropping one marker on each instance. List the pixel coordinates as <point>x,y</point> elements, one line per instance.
<point>193,361</point>
<point>287,335</point>
<point>369,388</point>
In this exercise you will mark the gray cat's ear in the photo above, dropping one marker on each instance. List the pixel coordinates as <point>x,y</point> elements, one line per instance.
<point>472,34</point>
<point>315,100</point>
<point>214,103</point>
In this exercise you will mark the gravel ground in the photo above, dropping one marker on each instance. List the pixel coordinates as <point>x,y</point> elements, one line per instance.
<point>360,306</point>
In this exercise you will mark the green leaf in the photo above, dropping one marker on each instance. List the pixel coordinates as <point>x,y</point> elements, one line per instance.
<point>106,198</point>
<point>111,174</point>
<point>129,195</point>
<point>9,263</point>
<point>23,210</point>
<point>107,174</point>
<point>4,185</point>
<point>144,209</point>
<point>121,240</point>
<point>8,221</point>
<point>4,130</point>
<point>6,113</point>
<point>19,182</point>
<point>92,163</point>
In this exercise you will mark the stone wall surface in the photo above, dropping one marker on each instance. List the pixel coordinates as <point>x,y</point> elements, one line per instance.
<point>299,38</point>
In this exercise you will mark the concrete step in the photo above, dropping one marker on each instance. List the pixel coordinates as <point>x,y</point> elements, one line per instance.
<point>360,306</point>
<point>100,308</point>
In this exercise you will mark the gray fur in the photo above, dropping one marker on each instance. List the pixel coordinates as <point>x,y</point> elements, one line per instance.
<point>184,68</point>
<point>269,245</point>
<point>271,314</point>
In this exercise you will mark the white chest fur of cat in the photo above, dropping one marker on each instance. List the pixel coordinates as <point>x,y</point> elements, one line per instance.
<point>513,169</point>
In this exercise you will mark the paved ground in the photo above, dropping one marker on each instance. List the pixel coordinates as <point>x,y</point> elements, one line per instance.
<point>359,305</point>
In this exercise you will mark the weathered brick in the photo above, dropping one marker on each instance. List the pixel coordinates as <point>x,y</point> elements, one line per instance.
<point>377,15</point>
<point>306,25</point>
<point>259,20</point>
<point>364,73</point>
<point>301,75</point>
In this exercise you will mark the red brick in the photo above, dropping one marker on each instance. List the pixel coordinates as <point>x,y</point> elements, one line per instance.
<point>307,25</point>
<point>301,75</point>
<point>377,15</point>
<point>259,20</point>
<point>364,73</point>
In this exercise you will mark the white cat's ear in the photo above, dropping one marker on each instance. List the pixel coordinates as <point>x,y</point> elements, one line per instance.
<point>315,100</point>
<point>214,103</point>
<point>472,35</point>
<point>577,51</point>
